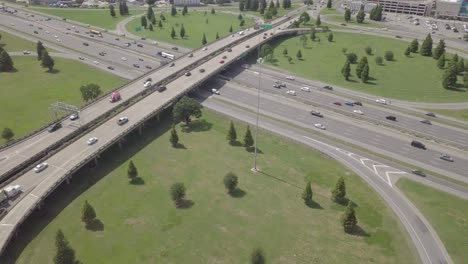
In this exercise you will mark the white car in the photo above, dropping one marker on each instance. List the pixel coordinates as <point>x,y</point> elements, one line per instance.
<point>55,36</point>
<point>59,40</point>
<point>381,101</point>
<point>47,32</point>
<point>155,42</point>
<point>25,52</point>
<point>147,84</point>
<point>290,92</point>
<point>92,140</point>
<point>96,62</point>
<point>320,126</point>
<point>40,167</point>
<point>290,78</point>
<point>305,89</point>
<point>123,58</point>
<point>122,120</point>
<point>74,116</point>
<point>357,111</point>
<point>215,91</point>
<point>205,48</point>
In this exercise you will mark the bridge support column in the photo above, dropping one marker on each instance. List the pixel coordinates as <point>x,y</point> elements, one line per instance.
<point>157,117</point>
<point>67,180</point>
<point>120,143</point>
<point>140,129</point>
<point>96,160</point>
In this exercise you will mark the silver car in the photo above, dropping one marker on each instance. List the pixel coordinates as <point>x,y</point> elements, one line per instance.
<point>41,167</point>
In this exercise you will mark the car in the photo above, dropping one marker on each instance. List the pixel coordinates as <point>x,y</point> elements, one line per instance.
<point>102,53</point>
<point>96,62</point>
<point>337,103</point>
<point>357,111</point>
<point>140,45</point>
<point>343,24</point>
<point>398,36</point>
<point>74,116</point>
<point>148,67</point>
<point>446,157</point>
<point>320,126</point>
<point>215,91</point>
<point>155,42</point>
<point>418,144</point>
<point>431,114</point>
<point>221,61</point>
<point>247,46</point>
<point>224,57</point>
<point>148,80</point>
<point>358,103</point>
<point>136,65</point>
<point>128,44</point>
<point>381,101</point>
<point>171,65</point>
<point>328,87</point>
<point>245,66</point>
<point>392,118</point>
<point>419,172</point>
<point>68,28</point>
<point>229,50</point>
<point>140,59</point>
<point>455,30</point>
<point>123,58</point>
<point>202,70</point>
<point>161,88</point>
<point>290,78</point>
<point>40,167</point>
<point>276,86</point>
<point>92,140</point>
<point>427,122</point>
<point>175,48</point>
<point>291,92</point>
<point>77,31</point>
<point>264,37</point>
<point>26,52</point>
<point>80,58</point>
<point>59,40</point>
<point>143,38</point>
<point>54,127</point>
<point>316,113</point>
<point>35,32</point>
<point>190,55</point>
<point>349,103</point>
<point>47,32</point>
<point>86,44</point>
<point>147,84</point>
<point>187,74</point>
<point>205,48</point>
<point>305,89</point>
<point>55,36</point>
<point>110,68</point>
<point>122,120</point>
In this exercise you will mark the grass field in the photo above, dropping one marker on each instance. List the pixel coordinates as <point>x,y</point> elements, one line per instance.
<point>340,19</point>
<point>461,114</point>
<point>27,93</point>
<point>96,17</point>
<point>416,78</point>
<point>141,225</point>
<point>11,43</point>
<point>446,213</point>
<point>281,11</point>
<point>195,25</point>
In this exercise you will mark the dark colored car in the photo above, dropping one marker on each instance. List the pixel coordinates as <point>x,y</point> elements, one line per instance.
<point>202,70</point>
<point>175,48</point>
<point>148,67</point>
<point>337,103</point>
<point>419,172</point>
<point>161,88</point>
<point>140,45</point>
<point>328,87</point>
<point>35,32</point>
<point>86,44</point>
<point>54,127</point>
<point>418,144</point>
<point>110,68</point>
<point>316,113</point>
<point>358,103</point>
<point>188,74</point>
<point>392,118</point>
<point>431,114</point>
<point>427,122</point>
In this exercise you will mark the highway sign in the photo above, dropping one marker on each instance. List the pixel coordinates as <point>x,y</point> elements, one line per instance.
<point>137,28</point>
<point>266,26</point>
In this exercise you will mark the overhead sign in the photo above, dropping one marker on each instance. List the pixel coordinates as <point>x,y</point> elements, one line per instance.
<point>266,26</point>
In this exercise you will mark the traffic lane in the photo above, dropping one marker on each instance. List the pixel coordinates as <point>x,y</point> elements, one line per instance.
<point>452,134</point>
<point>348,130</point>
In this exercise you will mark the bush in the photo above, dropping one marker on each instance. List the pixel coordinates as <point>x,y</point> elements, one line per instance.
<point>352,58</point>
<point>230,182</point>
<point>389,55</point>
<point>379,60</point>
<point>368,50</point>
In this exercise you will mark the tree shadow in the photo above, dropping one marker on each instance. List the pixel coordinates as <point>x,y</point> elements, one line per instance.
<point>137,181</point>
<point>252,150</point>
<point>186,204</point>
<point>352,80</point>
<point>279,179</point>
<point>358,231</point>
<point>238,193</point>
<point>314,205</point>
<point>457,88</point>
<point>343,201</point>
<point>95,225</point>
<point>236,144</point>
<point>54,71</point>
<point>199,125</point>
<point>180,146</point>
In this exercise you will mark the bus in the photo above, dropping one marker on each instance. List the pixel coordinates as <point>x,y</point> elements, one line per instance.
<point>166,55</point>
<point>95,32</point>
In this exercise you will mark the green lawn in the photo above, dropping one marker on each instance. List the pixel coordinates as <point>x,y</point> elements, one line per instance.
<point>340,19</point>
<point>11,43</point>
<point>27,93</point>
<point>281,11</point>
<point>141,225</point>
<point>96,17</point>
<point>416,78</point>
<point>446,213</point>
<point>461,114</point>
<point>329,11</point>
<point>195,24</point>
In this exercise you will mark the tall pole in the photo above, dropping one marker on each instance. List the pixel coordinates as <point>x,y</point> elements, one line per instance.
<point>259,61</point>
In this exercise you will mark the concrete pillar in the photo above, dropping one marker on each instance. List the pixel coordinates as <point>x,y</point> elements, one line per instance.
<point>67,180</point>
<point>120,143</point>
<point>96,160</point>
<point>157,117</point>
<point>140,129</point>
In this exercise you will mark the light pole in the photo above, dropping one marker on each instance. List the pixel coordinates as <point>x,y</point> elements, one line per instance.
<point>259,61</point>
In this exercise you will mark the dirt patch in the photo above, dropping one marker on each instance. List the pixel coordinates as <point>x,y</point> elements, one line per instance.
<point>134,221</point>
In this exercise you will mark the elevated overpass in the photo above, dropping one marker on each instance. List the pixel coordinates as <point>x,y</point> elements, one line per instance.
<point>62,164</point>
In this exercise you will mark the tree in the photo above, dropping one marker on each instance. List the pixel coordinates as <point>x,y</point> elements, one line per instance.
<point>173,34</point>
<point>64,254</point>
<point>312,34</point>
<point>90,91</point>
<point>144,23</point>
<point>360,16</point>
<point>7,134</point>
<point>303,38</point>
<point>299,55</point>
<point>241,6</point>
<point>408,51</point>
<point>330,37</point>
<point>414,46</point>
<point>182,31</point>
<point>304,18</point>
<point>379,60</point>
<point>257,256</point>
<point>329,4</point>
<point>173,11</point>
<point>174,139</point>
<point>361,65</point>
<point>365,73</point>
<point>162,17</point>
<point>318,22</point>
<point>47,61</point>
<point>6,63</point>
<point>389,55</point>
<point>230,29</point>
<point>123,8</point>
<point>461,66</point>
<point>230,182</point>
<point>132,172</point>
<point>39,49</point>
<point>346,71</point>
<point>347,15</point>
<point>232,134</point>
<point>426,46</point>
<point>178,193</point>
<point>242,23</point>
<point>348,219</point>
<point>112,10</point>
<point>449,79</point>
<point>439,50</point>
<point>339,193</point>
<point>266,52</point>
<point>352,57</point>
<point>285,51</point>
<point>307,194</point>
<point>213,11</point>
<point>151,27</point>
<point>368,50</point>
<point>217,35</point>
<point>277,4</point>
<point>441,61</point>
<point>160,24</point>
<point>185,108</point>
<point>150,13</point>
<point>185,10</point>
<point>465,79</point>
<point>268,15</point>
<point>204,39</point>
<point>248,139</point>
<point>290,60</point>
<point>87,214</point>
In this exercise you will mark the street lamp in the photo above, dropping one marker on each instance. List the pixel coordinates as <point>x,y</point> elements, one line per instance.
<point>260,62</point>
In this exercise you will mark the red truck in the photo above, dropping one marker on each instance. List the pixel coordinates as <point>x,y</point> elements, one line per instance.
<point>115,96</point>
